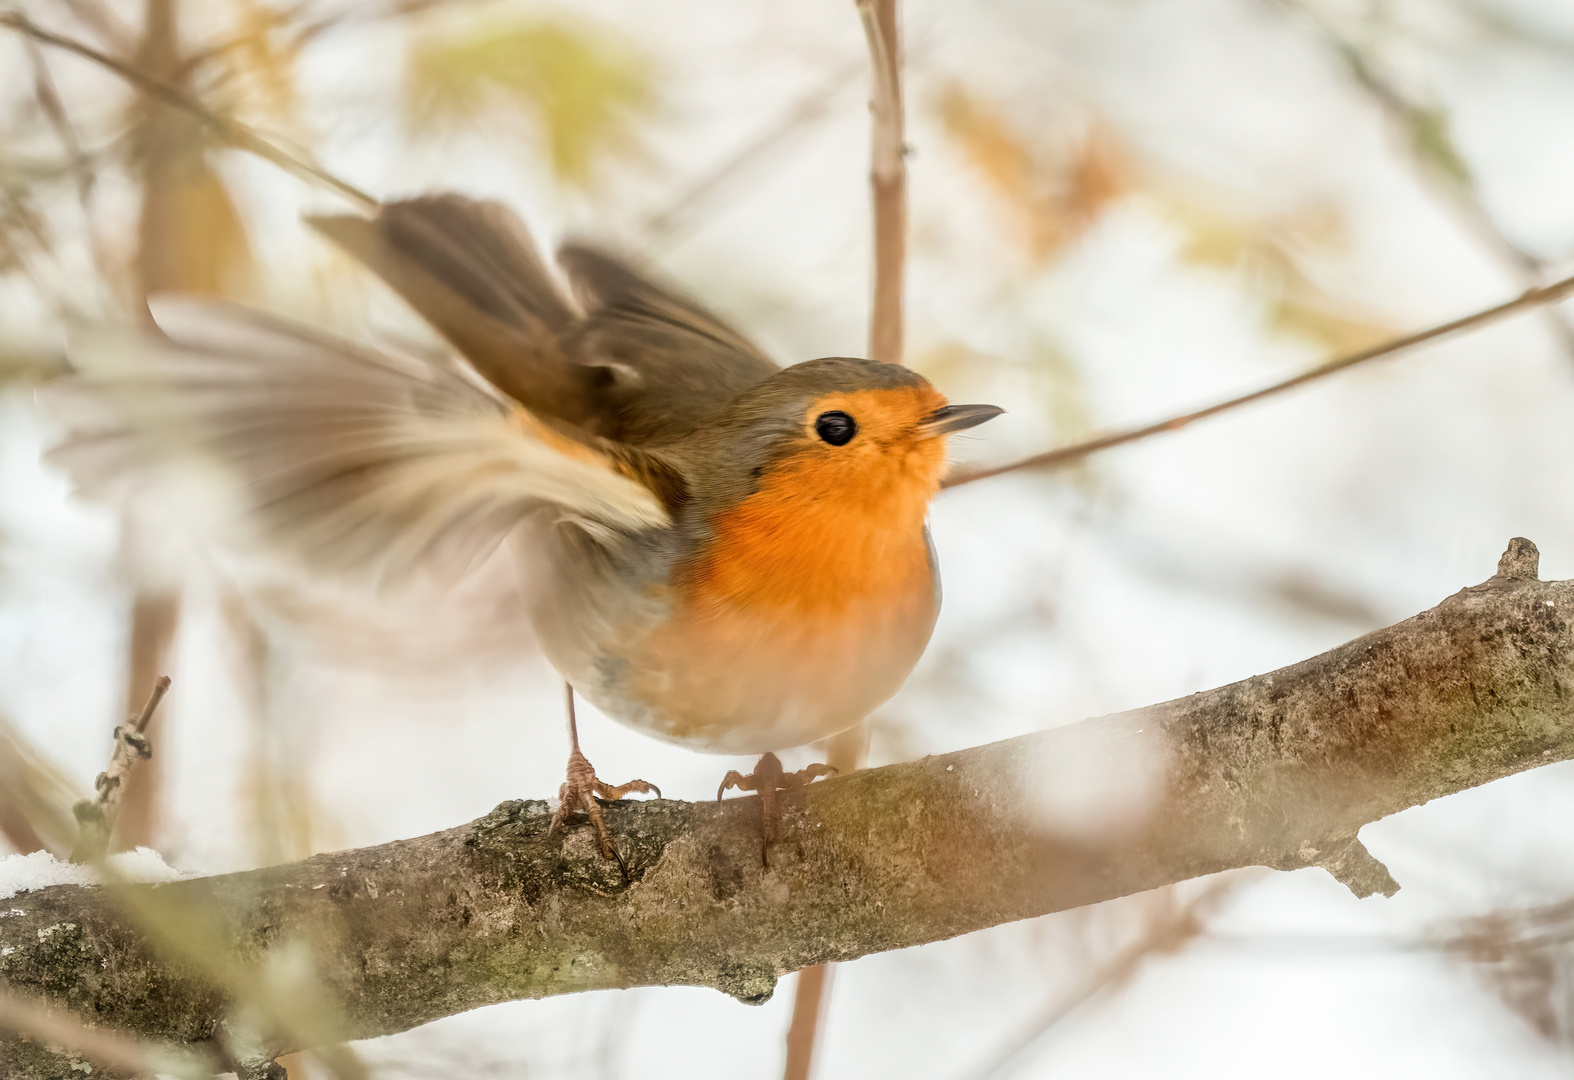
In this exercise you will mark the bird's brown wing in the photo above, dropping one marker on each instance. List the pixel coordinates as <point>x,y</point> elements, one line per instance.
<point>356,460</point>
<point>670,363</point>
<point>641,364</point>
<point>470,269</point>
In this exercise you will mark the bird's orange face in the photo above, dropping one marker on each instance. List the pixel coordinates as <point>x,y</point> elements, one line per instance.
<point>865,448</point>
<point>838,517</point>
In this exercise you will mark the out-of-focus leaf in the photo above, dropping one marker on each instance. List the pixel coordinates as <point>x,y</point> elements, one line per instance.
<point>1432,142</point>
<point>581,87</point>
<point>1268,252</point>
<point>259,63</point>
<point>35,797</point>
<point>1317,320</point>
<point>1051,194</point>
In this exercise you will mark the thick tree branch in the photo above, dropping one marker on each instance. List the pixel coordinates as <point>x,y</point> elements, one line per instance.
<point>1279,770</point>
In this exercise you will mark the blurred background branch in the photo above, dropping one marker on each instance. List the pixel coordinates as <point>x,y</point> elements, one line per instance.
<point>60,1040</point>
<point>1170,925</point>
<point>157,66</point>
<point>887,177</point>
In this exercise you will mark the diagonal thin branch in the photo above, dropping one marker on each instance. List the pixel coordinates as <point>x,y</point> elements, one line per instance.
<point>99,17</point>
<point>684,208</point>
<point>233,132</point>
<point>48,95</point>
<point>1065,455</point>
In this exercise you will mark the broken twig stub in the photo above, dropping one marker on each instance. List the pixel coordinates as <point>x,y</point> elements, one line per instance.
<point>96,816</point>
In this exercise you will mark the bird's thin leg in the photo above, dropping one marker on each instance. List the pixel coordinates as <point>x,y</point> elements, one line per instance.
<point>582,785</point>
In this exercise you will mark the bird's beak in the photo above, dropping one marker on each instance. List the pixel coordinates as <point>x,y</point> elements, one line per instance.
<point>949,419</point>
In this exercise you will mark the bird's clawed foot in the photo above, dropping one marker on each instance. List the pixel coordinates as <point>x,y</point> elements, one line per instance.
<point>579,792</point>
<point>768,778</point>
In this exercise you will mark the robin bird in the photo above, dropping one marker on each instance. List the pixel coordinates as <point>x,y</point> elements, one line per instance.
<point>727,554</point>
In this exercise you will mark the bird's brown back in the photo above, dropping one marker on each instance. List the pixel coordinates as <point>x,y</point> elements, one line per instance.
<point>634,361</point>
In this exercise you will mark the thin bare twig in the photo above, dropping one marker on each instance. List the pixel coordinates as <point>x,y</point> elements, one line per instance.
<point>235,133</point>
<point>887,178</point>
<point>684,208</point>
<point>49,102</point>
<point>48,95</point>
<point>304,31</point>
<point>1065,455</point>
<point>311,30</point>
<point>100,18</point>
<point>96,816</point>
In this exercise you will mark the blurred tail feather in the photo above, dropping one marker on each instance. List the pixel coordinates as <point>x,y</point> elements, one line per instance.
<point>357,460</point>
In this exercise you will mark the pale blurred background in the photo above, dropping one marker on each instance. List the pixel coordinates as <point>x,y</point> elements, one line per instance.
<point>1120,209</point>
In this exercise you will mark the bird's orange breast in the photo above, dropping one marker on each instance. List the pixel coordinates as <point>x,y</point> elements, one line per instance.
<point>830,527</point>
<point>806,609</point>
<point>793,546</point>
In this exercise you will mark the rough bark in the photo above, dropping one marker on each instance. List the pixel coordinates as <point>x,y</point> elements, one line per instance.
<point>1279,770</point>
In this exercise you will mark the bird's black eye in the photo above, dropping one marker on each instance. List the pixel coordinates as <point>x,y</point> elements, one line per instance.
<point>836,428</point>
